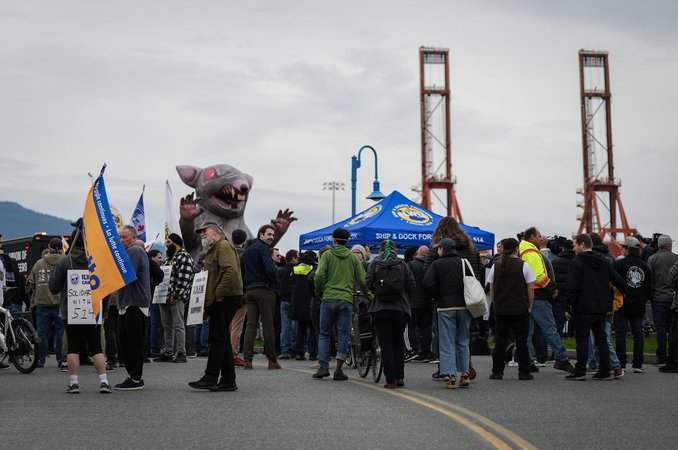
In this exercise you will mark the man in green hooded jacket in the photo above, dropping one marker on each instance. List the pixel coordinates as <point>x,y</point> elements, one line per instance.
<point>338,273</point>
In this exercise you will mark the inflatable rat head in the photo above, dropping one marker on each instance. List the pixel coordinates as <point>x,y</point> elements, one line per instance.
<point>223,190</point>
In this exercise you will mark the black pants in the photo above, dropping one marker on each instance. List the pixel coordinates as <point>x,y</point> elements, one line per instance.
<point>390,327</point>
<point>302,331</point>
<point>131,334</point>
<point>584,324</point>
<point>189,331</point>
<point>422,319</point>
<point>220,356</point>
<point>110,325</point>
<point>520,324</point>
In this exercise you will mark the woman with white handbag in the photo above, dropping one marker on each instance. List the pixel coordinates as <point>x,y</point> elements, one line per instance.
<point>444,282</point>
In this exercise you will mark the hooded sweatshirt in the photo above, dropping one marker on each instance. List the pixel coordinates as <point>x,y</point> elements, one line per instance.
<point>338,272</point>
<point>39,280</point>
<point>638,278</point>
<point>403,303</point>
<point>75,260</point>
<point>588,284</point>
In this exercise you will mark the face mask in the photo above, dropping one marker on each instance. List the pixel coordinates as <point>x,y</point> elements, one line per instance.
<point>171,250</point>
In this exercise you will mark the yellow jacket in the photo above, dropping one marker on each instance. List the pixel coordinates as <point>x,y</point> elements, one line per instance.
<point>532,256</point>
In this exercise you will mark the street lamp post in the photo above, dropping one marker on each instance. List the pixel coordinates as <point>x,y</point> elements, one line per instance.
<point>376,194</point>
<point>333,186</point>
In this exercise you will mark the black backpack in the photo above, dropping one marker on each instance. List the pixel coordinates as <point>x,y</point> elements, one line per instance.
<point>388,282</point>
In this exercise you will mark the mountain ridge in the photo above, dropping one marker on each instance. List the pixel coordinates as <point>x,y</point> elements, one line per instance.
<point>17,221</point>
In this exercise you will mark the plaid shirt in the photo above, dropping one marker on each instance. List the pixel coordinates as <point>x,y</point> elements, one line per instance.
<point>673,275</point>
<point>181,278</point>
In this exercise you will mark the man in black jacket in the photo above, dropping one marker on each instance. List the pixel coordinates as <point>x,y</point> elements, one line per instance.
<point>590,299</point>
<point>638,278</point>
<point>561,268</point>
<point>288,326</point>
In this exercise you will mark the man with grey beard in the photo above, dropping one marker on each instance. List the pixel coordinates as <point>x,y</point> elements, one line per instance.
<point>223,297</point>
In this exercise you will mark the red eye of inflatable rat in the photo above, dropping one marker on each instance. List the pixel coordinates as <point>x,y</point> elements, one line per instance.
<point>209,174</point>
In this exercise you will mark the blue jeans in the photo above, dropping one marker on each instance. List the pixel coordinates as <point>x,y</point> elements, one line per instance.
<point>334,312</point>
<point>621,322</point>
<point>153,338</point>
<point>542,314</point>
<point>288,333</point>
<point>661,315</point>
<point>202,332</point>
<point>593,354</point>
<point>46,315</point>
<point>453,345</point>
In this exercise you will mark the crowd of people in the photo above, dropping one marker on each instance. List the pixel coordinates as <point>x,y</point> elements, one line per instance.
<point>303,305</point>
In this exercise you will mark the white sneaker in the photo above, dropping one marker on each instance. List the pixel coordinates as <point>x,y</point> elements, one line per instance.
<point>512,364</point>
<point>540,364</point>
<point>638,370</point>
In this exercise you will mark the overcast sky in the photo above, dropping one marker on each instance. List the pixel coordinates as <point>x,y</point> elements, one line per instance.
<point>288,91</point>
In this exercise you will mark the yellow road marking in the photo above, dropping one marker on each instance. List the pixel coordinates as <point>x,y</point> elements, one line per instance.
<point>519,441</point>
<point>430,402</point>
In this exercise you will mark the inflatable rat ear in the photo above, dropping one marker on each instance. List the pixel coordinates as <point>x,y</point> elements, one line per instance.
<point>189,174</point>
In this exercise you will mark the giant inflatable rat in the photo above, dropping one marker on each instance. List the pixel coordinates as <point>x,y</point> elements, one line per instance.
<point>221,193</point>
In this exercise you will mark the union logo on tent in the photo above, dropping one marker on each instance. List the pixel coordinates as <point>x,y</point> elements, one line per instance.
<point>373,211</point>
<point>412,214</point>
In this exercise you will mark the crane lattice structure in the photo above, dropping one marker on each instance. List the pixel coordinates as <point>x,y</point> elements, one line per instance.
<point>436,144</point>
<point>598,151</point>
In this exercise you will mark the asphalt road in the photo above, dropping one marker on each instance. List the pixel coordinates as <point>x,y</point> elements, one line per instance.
<point>288,409</point>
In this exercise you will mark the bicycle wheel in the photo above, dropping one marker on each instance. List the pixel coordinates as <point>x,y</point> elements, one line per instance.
<point>363,363</point>
<point>349,355</point>
<point>377,365</point>
<point>23,352</point>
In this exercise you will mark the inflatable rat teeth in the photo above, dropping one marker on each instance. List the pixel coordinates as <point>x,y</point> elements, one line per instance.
<point>221,193</point>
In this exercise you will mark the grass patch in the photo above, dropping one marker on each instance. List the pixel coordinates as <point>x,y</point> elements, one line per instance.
<point>649,346</point>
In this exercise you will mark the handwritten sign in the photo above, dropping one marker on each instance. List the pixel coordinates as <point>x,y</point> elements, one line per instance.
<point>80,298</point>
<point>160,294</point>
<point>196,305</point>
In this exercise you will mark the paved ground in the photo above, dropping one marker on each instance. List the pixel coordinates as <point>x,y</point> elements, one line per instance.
<point>288,409</point>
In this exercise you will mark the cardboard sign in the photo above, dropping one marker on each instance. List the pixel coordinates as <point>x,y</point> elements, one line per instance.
<point>160,294</point>
<point>196,304</point>
<point>80,298</point>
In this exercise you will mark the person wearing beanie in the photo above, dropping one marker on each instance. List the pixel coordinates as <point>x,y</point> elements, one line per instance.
<point>173,311</point>
<point>392,283</point>
<point>338,273</point>
<point>79,337</point>
<point>360,252</point>
<point>662,297</point>
<point>47,303</point>
<point>511,283</point>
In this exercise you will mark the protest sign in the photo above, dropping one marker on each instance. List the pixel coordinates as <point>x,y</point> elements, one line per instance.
<point>197,300</point>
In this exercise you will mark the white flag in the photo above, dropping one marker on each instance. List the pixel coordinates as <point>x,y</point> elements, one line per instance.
<point>171,220</point>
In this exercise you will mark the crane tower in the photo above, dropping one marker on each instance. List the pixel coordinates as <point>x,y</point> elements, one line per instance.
<point>436,144</point>
<point>602,200</point>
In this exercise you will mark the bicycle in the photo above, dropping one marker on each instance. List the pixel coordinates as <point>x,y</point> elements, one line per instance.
<point>19,341</point>
<point>364,359</point>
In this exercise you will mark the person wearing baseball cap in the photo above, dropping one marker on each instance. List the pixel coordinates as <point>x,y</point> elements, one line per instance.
<point>638,278</point>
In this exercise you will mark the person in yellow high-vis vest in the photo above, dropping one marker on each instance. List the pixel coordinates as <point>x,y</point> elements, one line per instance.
<point>544,292</point>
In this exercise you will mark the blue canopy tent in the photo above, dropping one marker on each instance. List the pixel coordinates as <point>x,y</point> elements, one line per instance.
<point>396,218</point>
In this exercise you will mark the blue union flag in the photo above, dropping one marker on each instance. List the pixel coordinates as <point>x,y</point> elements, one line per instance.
<point>139,218</point>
